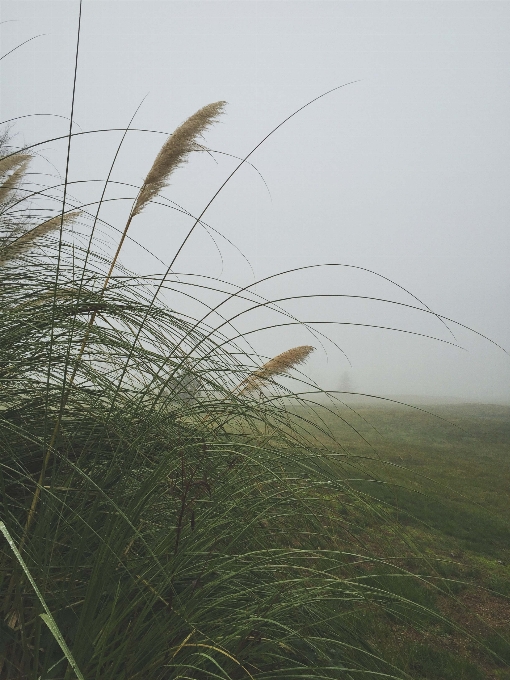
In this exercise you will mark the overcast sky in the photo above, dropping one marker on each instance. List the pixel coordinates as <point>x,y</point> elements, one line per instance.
<point>405,172</point>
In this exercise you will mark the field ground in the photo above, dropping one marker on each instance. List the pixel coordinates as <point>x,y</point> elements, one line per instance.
<point>447,495</point>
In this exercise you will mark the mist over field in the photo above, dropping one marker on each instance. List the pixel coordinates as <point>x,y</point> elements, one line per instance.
<point>404,172</point>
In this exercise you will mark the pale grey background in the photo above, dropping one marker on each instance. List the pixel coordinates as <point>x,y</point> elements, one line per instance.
<point>405,172</point>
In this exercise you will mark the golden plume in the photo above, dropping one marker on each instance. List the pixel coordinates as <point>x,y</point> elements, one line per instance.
<point>173,154</point>
<point>279,365</point>
<point>13,162</point>
<point>175,151</point>
<point>26,240</point>
<point>12,182</point>
<point>17,166</point>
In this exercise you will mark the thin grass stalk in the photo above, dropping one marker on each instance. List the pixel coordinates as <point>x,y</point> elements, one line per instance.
<point>47,456</point>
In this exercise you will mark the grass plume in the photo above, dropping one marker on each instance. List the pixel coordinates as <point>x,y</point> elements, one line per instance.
<point>23,243</point>
<point>9,186</point>
<point>278,365</point>
<point>12,172</point>
<point>12,163</point>
<point>175,152</point>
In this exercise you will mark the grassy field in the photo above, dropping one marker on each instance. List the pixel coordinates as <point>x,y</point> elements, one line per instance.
<point>442,475</point>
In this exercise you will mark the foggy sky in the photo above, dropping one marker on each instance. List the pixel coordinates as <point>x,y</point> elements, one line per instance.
<point>405,172</point>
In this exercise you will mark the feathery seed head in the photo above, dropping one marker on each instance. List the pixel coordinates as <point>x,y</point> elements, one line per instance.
<point>10,163</point>
<point>175,152</point>
<point>20,245</point>
<point>277,366</point>
<point>11,183</point>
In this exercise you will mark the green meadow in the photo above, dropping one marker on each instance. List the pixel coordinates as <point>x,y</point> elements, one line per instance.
<point>441,474</point>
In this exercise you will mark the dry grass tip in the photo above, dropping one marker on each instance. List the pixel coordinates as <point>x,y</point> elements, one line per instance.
<point>10,163</point>
<point>175,151</point>
<point>17,166</point>
<point>27,240</point>
<point>279,365</point>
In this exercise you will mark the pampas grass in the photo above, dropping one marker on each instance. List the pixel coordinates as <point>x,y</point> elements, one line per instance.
<point>166,537</point>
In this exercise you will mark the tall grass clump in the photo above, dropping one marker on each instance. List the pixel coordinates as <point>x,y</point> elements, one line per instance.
<point>165,514</point>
